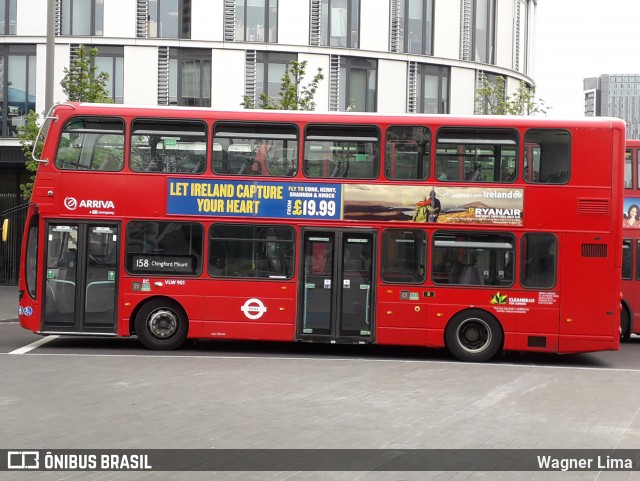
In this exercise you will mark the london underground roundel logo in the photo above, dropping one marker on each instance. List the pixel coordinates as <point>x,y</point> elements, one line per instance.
<point>253,308</point>
<point>70,203</point>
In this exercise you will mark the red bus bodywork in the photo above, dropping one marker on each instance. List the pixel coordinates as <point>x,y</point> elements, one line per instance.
<point>630,316</point>
<point>580,313</point>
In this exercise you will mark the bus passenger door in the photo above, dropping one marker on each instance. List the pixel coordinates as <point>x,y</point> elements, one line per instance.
<point>80,278</point>
<point>337,289</point>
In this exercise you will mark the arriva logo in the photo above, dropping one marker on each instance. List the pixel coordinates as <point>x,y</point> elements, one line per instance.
<point>72,204</point>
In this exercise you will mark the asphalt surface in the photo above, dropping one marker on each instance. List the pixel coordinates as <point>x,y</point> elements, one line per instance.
<point>87,393</point>
<point>8,303</point>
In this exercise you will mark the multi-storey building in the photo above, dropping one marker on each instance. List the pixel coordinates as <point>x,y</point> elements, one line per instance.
<point>615,95</point>
<point>376,55</point>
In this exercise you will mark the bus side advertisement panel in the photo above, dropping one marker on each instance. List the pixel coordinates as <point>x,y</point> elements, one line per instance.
<point>355,202</point>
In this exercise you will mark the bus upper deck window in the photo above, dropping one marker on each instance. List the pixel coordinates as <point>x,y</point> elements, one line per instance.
<point>176,146</point>
<point>407,150</point>
<point>91,143</point>
<point>255,149</point>
<point>476,155</point>
<point>332,151</point>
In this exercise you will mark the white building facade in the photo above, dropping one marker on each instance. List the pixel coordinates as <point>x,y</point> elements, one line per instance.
<point>391,56</point>
<point>376,55</point>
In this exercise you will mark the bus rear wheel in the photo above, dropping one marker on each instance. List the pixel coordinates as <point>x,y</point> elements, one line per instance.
<point>473,336</point>
<point>161,325</point>
<point>625,325</point>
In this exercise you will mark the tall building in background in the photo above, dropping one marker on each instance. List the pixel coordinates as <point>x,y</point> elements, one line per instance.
<point>425,56</point>
<point>615,95</point>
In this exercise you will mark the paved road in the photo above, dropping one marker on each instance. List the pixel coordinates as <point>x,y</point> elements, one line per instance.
<point>74,393</point>
<point>8,302</point>
<point>108,393</point>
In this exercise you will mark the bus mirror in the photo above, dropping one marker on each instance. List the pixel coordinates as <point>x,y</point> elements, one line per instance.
<point>5,230</point>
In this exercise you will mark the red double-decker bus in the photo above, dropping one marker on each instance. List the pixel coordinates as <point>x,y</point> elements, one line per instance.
<point>630,316</point>
<point>478,234</point>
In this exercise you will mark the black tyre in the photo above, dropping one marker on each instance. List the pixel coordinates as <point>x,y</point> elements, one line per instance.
<point>625,325</point>
<point>161,325</point>
<point>473,336</point>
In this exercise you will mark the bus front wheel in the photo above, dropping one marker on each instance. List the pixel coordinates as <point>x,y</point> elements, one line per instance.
<point>473,336</point>
<point>161,325</point>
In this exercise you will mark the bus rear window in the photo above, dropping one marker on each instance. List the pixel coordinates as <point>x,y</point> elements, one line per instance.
<point>547,156</point>
<point>91,143</point>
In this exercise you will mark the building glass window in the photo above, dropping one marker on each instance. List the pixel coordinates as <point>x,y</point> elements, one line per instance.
<point>111,61</point>
<point>340,23</point>
<point>257,20</point>
<point>170,18</point>
<point>82,17</point>
<point>433,89</point>
<point>190,77</point>
<point>416,27</point>
<point>358,84</point>
<point>17,86</point>
<point>270,68</point>
<point>8,17</point>
<point>484,24</point>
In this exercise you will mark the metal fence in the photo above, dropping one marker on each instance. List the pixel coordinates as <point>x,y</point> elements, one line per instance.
<point>10,250</point>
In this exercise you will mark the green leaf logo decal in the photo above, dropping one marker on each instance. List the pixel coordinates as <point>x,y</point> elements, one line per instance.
<point>498,298</point>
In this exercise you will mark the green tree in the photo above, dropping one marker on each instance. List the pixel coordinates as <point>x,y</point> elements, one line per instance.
<point>27,134</point>
<point>491,99</point>
<point>293,95</point>
<point>81,83</point>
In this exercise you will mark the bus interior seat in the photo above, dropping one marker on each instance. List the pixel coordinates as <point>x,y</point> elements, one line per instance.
<point>471,275</point>
<point>473,174</point>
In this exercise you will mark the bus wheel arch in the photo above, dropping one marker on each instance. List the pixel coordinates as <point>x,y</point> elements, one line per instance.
<point>161,324</point>
<point>625,323</point>
<point>474,335</point>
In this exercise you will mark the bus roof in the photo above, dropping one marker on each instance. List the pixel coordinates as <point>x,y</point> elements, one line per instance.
<point>332,117</point>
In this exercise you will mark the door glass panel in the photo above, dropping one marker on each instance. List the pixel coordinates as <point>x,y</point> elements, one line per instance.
<point>356,285</point>
<point>318,283</point>
<point>62,268</point>
<point>101,275</point>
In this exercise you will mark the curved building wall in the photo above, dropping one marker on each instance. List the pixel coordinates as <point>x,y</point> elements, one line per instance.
<point>376,55</point>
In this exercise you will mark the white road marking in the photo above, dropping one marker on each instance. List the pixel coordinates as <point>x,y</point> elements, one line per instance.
<point>33,345</point>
